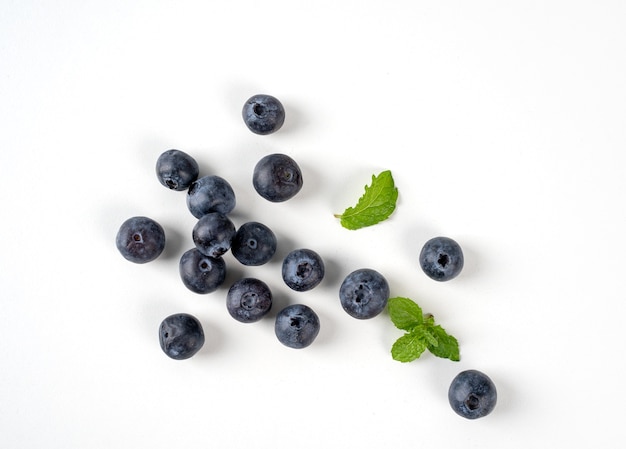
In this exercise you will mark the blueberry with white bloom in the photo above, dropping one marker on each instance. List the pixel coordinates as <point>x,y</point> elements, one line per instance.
<point>213,234</point>
<point>364,293</point>
<point>303,269</point>
<point>181,336</point>
<point>441,259</point>
<point>472,394</point>
<point>140,239</point>
<point>254,244</point>
<point>210,194</point>
<point>263,114</point>
<point>297,326</point>
<point>200,273</point>
<point>277,177</point>
<point>248,300</point>
<point>176,170</point>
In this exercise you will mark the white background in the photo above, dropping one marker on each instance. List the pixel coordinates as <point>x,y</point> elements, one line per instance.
<point>503,124</point>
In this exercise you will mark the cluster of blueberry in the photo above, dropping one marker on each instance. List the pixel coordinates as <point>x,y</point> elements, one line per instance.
<point>363,294</point>
<point>277,178</point>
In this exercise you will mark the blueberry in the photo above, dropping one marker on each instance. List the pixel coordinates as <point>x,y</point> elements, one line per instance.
<point>263,114</point>
<point>364,293</point>
<point>253,244</point>
<point>303,269</point>
<point>176,170</point>
<point>277,177</point>
<point>441,259</point>
<point>213,234</point>
<point>181,336</point>
<point>472,394</point>
<point>210,194</point>
<point>201,274</point>
<point>140,239</point>
<point>297,326</point>
<point>248,300</point>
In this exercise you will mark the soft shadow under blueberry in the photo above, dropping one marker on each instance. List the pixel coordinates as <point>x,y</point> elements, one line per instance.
<point>174,244</point>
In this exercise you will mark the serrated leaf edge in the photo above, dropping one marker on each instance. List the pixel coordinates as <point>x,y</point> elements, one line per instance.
<point>391,304</point>
<point>353,213</point>
<point>425,332</point>
<point>414,355</point>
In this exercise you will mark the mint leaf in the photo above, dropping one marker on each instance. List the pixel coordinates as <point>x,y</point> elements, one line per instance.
<point>404,313</point>
<point>408,348</point>
<point>377,203</point>
<point>422,333</point>
<point>428,336</point>
<point>447,346</point>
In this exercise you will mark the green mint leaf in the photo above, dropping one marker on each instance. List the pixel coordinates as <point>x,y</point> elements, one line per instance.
<point>421,333</point>
<point>404,313</point>
<point>377,203</point>
<point>428,336</point>
<point>408,347</point>
<point>447,346</point>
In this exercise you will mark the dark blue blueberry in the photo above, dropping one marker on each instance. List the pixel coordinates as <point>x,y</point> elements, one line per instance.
<point>263,114</point>
<point>303,269</point>
<point>277,177</point>
<point>364,293</point>
<point>176,170</point>
<point>213,234</point>
<point>297,326</point>
<point>181,336</point>
<point>248,300</point>
<point>254,244</point>
<point>210,194</point>
<point>441,259</point>
<point>201,274</point>
<point>140,239</point>
<point>472,394</point>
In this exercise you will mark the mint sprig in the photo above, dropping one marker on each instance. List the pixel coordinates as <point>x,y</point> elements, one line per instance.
<point>421,333</point>
<point>377,203</point>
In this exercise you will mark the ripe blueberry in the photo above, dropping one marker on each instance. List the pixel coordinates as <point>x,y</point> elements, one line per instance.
<point>181,336</point>
<point>303,269</point>
<point>472,394</point>
<point>364,293</point>
<point>297,326</point>
<point>176,170</point>
<point>441,259</point>
<point>140,239</point>
<point>248,300</point>
<point>263,114</point>
<point>253,244</point>
<point>210,194</point>
<point>277,177</point>
<point>213,234</point>
<point>201,274</point>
